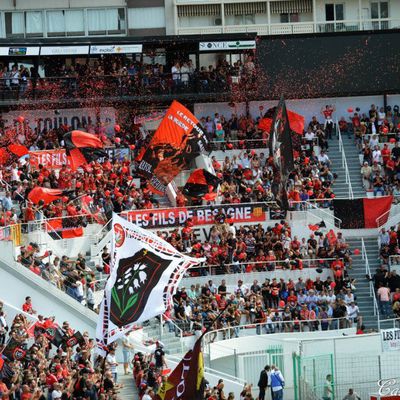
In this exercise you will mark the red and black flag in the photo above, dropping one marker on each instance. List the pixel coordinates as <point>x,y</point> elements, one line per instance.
<point>18,149</point>
<point>54,334</point>
<point>47,195</point>
<point>14,350</point>
<point>296,121</point>
<point>82,148</point>
<point>75,339</point>
<point>362,213</point>
<point>178,140</point>
<point>199,183</point>
<point>316,227</point>
<point>65,228</point>
<point>186,381</point>
<point>280,141</point>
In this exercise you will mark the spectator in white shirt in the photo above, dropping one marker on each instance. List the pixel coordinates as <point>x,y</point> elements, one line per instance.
<point>349,297</point>
<point>323,158</point>
<point>330,298</point>
<point>309,137</point>
<point>176,74</point>
<point>374,141</point>
<point>383,238</point>
<point>352,313</point>
<point>111,362</point>
<point>377,155</point>
<point>244,160</point>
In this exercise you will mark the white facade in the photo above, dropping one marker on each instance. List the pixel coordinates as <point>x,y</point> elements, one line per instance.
<point>272,17</point>
<point>100,18</point>
<point>77,18</point>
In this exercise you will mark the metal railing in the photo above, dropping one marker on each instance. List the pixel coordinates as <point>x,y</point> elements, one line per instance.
<point>395,322</point>
<point>344,162</point>
<point>296,27</point>
<point>175,328</point>
<point>307,263</point>
<point>321,213</point>
<point>387,219</point>
<point>274,327</point>
<point>139,84</point>
<point>364,256</point>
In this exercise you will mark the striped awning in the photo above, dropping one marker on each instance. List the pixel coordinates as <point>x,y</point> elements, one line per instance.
<point>199,10</point>
<point>245,8</point>
<point>291,6</point>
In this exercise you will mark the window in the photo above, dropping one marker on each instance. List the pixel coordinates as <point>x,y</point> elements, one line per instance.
<point>334,12</point>
<point>106,21</point>
<point>146,17</point>
<point>379,10</point>
<point>75,23</point>
<point>14,24</point>
<point>55,23</point>
<point>289,17</point>
<point>245,19</point>
<point>34,23</point>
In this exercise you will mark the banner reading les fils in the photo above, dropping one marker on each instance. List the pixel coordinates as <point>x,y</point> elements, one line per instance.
<point>167,218</point>
<point>53,159</point>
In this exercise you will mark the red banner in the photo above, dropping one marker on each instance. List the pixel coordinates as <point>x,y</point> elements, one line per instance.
<point>167,218</point>
<point>48,158</point>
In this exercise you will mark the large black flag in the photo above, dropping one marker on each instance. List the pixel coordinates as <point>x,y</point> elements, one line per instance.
<point>281,149</point>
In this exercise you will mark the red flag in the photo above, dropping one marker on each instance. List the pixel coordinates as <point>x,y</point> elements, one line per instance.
<point>265,124</point>
<point>178,140</point>
<point>375,208</point>
<point>199,183</point>
<point>47,195</point>
<point>82,148</point>
<point>18,149</point>
<point>296,122</point>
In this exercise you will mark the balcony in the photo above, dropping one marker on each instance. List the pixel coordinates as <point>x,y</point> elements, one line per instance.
<point>296,28</point>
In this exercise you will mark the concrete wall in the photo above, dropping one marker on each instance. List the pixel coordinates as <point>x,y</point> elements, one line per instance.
<point>18,282</point>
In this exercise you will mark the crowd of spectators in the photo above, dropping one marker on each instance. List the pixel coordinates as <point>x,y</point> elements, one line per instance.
<point>253,248</point>
<point>123,76</point>
<point>249,175</point>
<point>44,369</point>
<point>272,306</point>
<point>376,135</point>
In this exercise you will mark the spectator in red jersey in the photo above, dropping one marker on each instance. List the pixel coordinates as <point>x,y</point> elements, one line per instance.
<point>27,306</point>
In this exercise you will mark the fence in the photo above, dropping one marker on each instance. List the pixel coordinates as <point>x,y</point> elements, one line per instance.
<point>115,86</point>
<point>361,373</point>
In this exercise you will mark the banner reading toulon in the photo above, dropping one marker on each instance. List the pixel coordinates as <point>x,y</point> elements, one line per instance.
<point>178,140</point>
<point>146,271</point>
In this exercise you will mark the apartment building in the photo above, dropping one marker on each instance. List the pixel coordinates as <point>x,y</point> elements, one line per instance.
<point>103,18</point>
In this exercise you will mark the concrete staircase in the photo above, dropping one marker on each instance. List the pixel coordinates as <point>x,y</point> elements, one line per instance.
<point>354,166</point>
<point>172,342</point>
<point>363,298</point>
<point>128,391</point>
<point>340,187</point>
